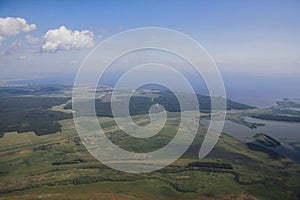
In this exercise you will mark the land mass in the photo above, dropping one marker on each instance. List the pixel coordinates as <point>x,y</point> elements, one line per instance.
<point>266,140</point>
<point>58,166</point>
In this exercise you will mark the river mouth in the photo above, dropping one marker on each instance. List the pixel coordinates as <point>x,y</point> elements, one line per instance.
<point>287,133</point>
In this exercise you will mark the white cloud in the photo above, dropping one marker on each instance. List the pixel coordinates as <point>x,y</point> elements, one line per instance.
<point>32,40</point>
<point>22,57</point>
<point>1,39</point>
<point>64,39</point>
<point>10,26</point>
<point>11,49</point>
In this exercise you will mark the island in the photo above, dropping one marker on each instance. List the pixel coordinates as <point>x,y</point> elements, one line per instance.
<point>266,140</point>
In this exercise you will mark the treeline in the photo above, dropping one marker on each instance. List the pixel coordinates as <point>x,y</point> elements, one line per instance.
<point>141,104</point>
<point>284,118</point>
<point>211,165</point>
<point>272,154</point>
<point>24,114</point>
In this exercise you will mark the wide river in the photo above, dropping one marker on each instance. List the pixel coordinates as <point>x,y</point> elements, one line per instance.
<point>287,133</point>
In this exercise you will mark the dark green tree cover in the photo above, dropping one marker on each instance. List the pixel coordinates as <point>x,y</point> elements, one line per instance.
<point>277,117</point>
<point>23,114</point>
<point>142,104</point>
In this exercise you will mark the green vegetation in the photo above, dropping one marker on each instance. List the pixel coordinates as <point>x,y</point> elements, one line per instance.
<point>24,109</point>
<point>273,114</point>
<point>57,165</point>
<point>278,117</point>
<point>23,114</point>
<point>171,104</point>
<point>141,103</point>
<point>288,103</point>
<point>239,119</point>
<point>34,90</point>
<point>266,140</point>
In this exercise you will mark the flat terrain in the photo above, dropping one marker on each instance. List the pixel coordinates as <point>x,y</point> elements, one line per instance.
<point>57,166</point>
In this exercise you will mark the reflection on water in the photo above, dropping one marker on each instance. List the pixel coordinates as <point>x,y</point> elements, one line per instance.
<point>283,131</point>
<point>289,108</point>
<point>287,133</point>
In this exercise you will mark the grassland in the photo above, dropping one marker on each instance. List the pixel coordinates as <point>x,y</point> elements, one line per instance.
<point>58,166</point>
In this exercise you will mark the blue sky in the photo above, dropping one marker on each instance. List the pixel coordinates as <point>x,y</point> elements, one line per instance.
<point>249,38</point>
<point>234,32</point>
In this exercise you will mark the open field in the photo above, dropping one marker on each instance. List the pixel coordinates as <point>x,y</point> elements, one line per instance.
<point>58,165</point>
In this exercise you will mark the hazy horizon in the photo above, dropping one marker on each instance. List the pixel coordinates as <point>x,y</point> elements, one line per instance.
<point>253,90</point>
<point>255,44</point>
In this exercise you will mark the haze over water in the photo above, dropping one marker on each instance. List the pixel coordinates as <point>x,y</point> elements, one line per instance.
<point>260,91</point>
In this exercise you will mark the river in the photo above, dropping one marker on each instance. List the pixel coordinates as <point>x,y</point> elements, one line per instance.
<point>287,133</point>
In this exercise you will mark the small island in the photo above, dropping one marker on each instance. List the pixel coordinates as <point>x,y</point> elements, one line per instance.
<point>266,140</point>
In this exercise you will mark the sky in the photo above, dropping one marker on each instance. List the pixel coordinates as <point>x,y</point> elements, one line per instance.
<point>254,43</point>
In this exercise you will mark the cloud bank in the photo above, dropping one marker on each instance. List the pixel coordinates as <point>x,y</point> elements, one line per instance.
<point>64,39</point>
<point>10,26</point>
<point>32,40</point>
<point>12,48</point>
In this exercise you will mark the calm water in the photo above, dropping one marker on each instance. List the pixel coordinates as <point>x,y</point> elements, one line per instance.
<point>287,133</point>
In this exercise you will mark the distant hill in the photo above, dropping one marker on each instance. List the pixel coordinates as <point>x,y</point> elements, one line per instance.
<point>170,102</point>
<point>140,104</point>
<point>28,108</point>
